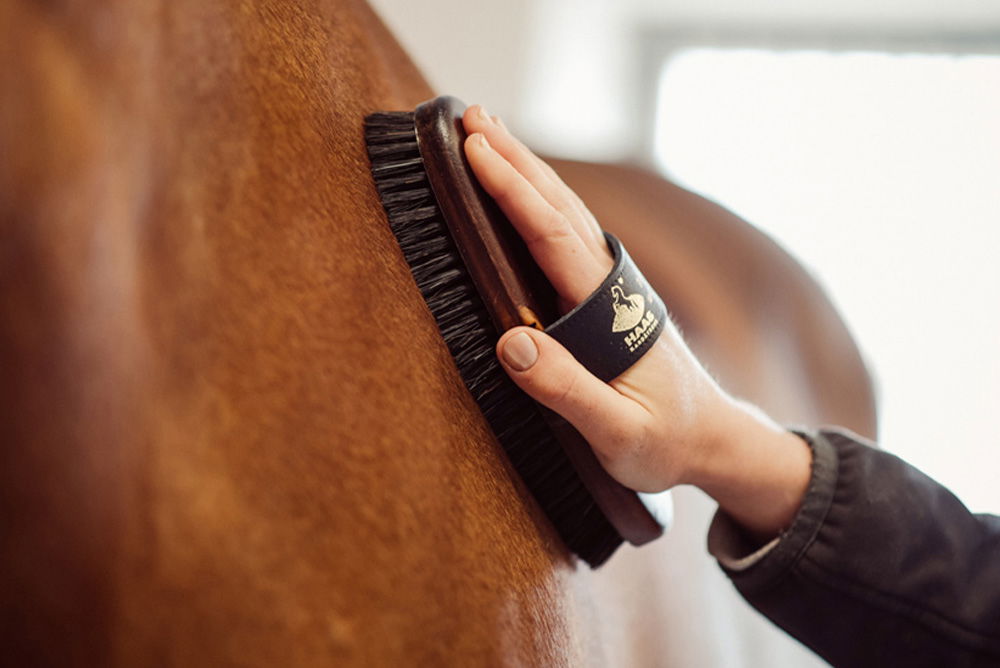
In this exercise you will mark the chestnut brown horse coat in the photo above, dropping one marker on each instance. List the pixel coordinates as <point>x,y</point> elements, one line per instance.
<point>231,433</point>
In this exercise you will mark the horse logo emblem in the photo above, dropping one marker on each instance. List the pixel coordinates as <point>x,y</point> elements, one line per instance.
<point>628,309</point>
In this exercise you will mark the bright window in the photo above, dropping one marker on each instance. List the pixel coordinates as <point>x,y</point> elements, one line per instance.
<point>881,173</point>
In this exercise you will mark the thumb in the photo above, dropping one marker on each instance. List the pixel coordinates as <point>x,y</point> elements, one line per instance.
<point>549,374</point>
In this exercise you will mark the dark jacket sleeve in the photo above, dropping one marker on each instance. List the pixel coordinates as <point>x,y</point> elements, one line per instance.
<point>882,566</point>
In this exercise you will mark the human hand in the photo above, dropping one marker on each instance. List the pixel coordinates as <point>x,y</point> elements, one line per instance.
<point>662,422</point>
<point>663,400</point>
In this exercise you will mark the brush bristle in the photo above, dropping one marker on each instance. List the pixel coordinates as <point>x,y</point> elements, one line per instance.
<point>465,324</point>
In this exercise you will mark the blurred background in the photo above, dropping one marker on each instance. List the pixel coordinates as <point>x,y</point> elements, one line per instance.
<point>862,135</point>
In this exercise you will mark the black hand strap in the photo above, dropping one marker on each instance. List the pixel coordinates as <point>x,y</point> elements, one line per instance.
<point>617,323</point>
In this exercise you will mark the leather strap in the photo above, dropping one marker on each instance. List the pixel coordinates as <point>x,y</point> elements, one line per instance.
<point>613,327</point>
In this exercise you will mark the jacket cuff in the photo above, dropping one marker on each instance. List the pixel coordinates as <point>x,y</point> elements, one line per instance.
<point>753,567</point>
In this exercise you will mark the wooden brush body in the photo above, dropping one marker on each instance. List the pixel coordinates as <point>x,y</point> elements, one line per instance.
<point>514,290</point>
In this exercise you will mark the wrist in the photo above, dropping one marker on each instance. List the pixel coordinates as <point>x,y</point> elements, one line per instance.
<point>721,440</point>
<point>756,470</point>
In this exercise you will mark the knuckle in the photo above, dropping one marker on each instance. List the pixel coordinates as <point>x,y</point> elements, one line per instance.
<point>560,392</point>
<point>551,230</point>
<point>558,229</point>
<point>504,191</point>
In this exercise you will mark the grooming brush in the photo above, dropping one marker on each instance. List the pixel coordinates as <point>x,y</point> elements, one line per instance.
<point>479,280</point>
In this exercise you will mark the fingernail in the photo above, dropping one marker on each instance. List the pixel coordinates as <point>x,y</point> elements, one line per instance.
<point>520,352</point>
<point>482,140</point>
<point>483,114</point>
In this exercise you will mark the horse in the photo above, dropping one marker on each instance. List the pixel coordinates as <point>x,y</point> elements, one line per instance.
<point>231,431</point>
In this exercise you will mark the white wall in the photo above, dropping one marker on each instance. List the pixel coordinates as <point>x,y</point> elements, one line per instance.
<point>951,14</point>
<point>567,74</point>
<point>477,51</point>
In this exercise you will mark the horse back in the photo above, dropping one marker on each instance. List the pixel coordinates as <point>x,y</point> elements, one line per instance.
<point>232,432</point>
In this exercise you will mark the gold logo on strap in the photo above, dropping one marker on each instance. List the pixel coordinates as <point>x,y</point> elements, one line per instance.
<point>628,309</point>
<point>631,316</point>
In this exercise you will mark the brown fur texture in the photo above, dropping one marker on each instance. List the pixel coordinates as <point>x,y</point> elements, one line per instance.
<point>231,432</point>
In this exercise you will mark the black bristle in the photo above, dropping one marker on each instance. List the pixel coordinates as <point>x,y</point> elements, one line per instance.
<point>471,337</point>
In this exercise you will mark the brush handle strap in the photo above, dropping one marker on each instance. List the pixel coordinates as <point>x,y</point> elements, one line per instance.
<point>615,326</point>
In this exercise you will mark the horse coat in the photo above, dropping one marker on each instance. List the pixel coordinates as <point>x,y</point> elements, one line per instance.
<point>231,431</point>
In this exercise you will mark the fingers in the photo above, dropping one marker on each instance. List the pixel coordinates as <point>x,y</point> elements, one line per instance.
<point>538,174</point>
<point>549,374</point>
<point>557,247</point>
